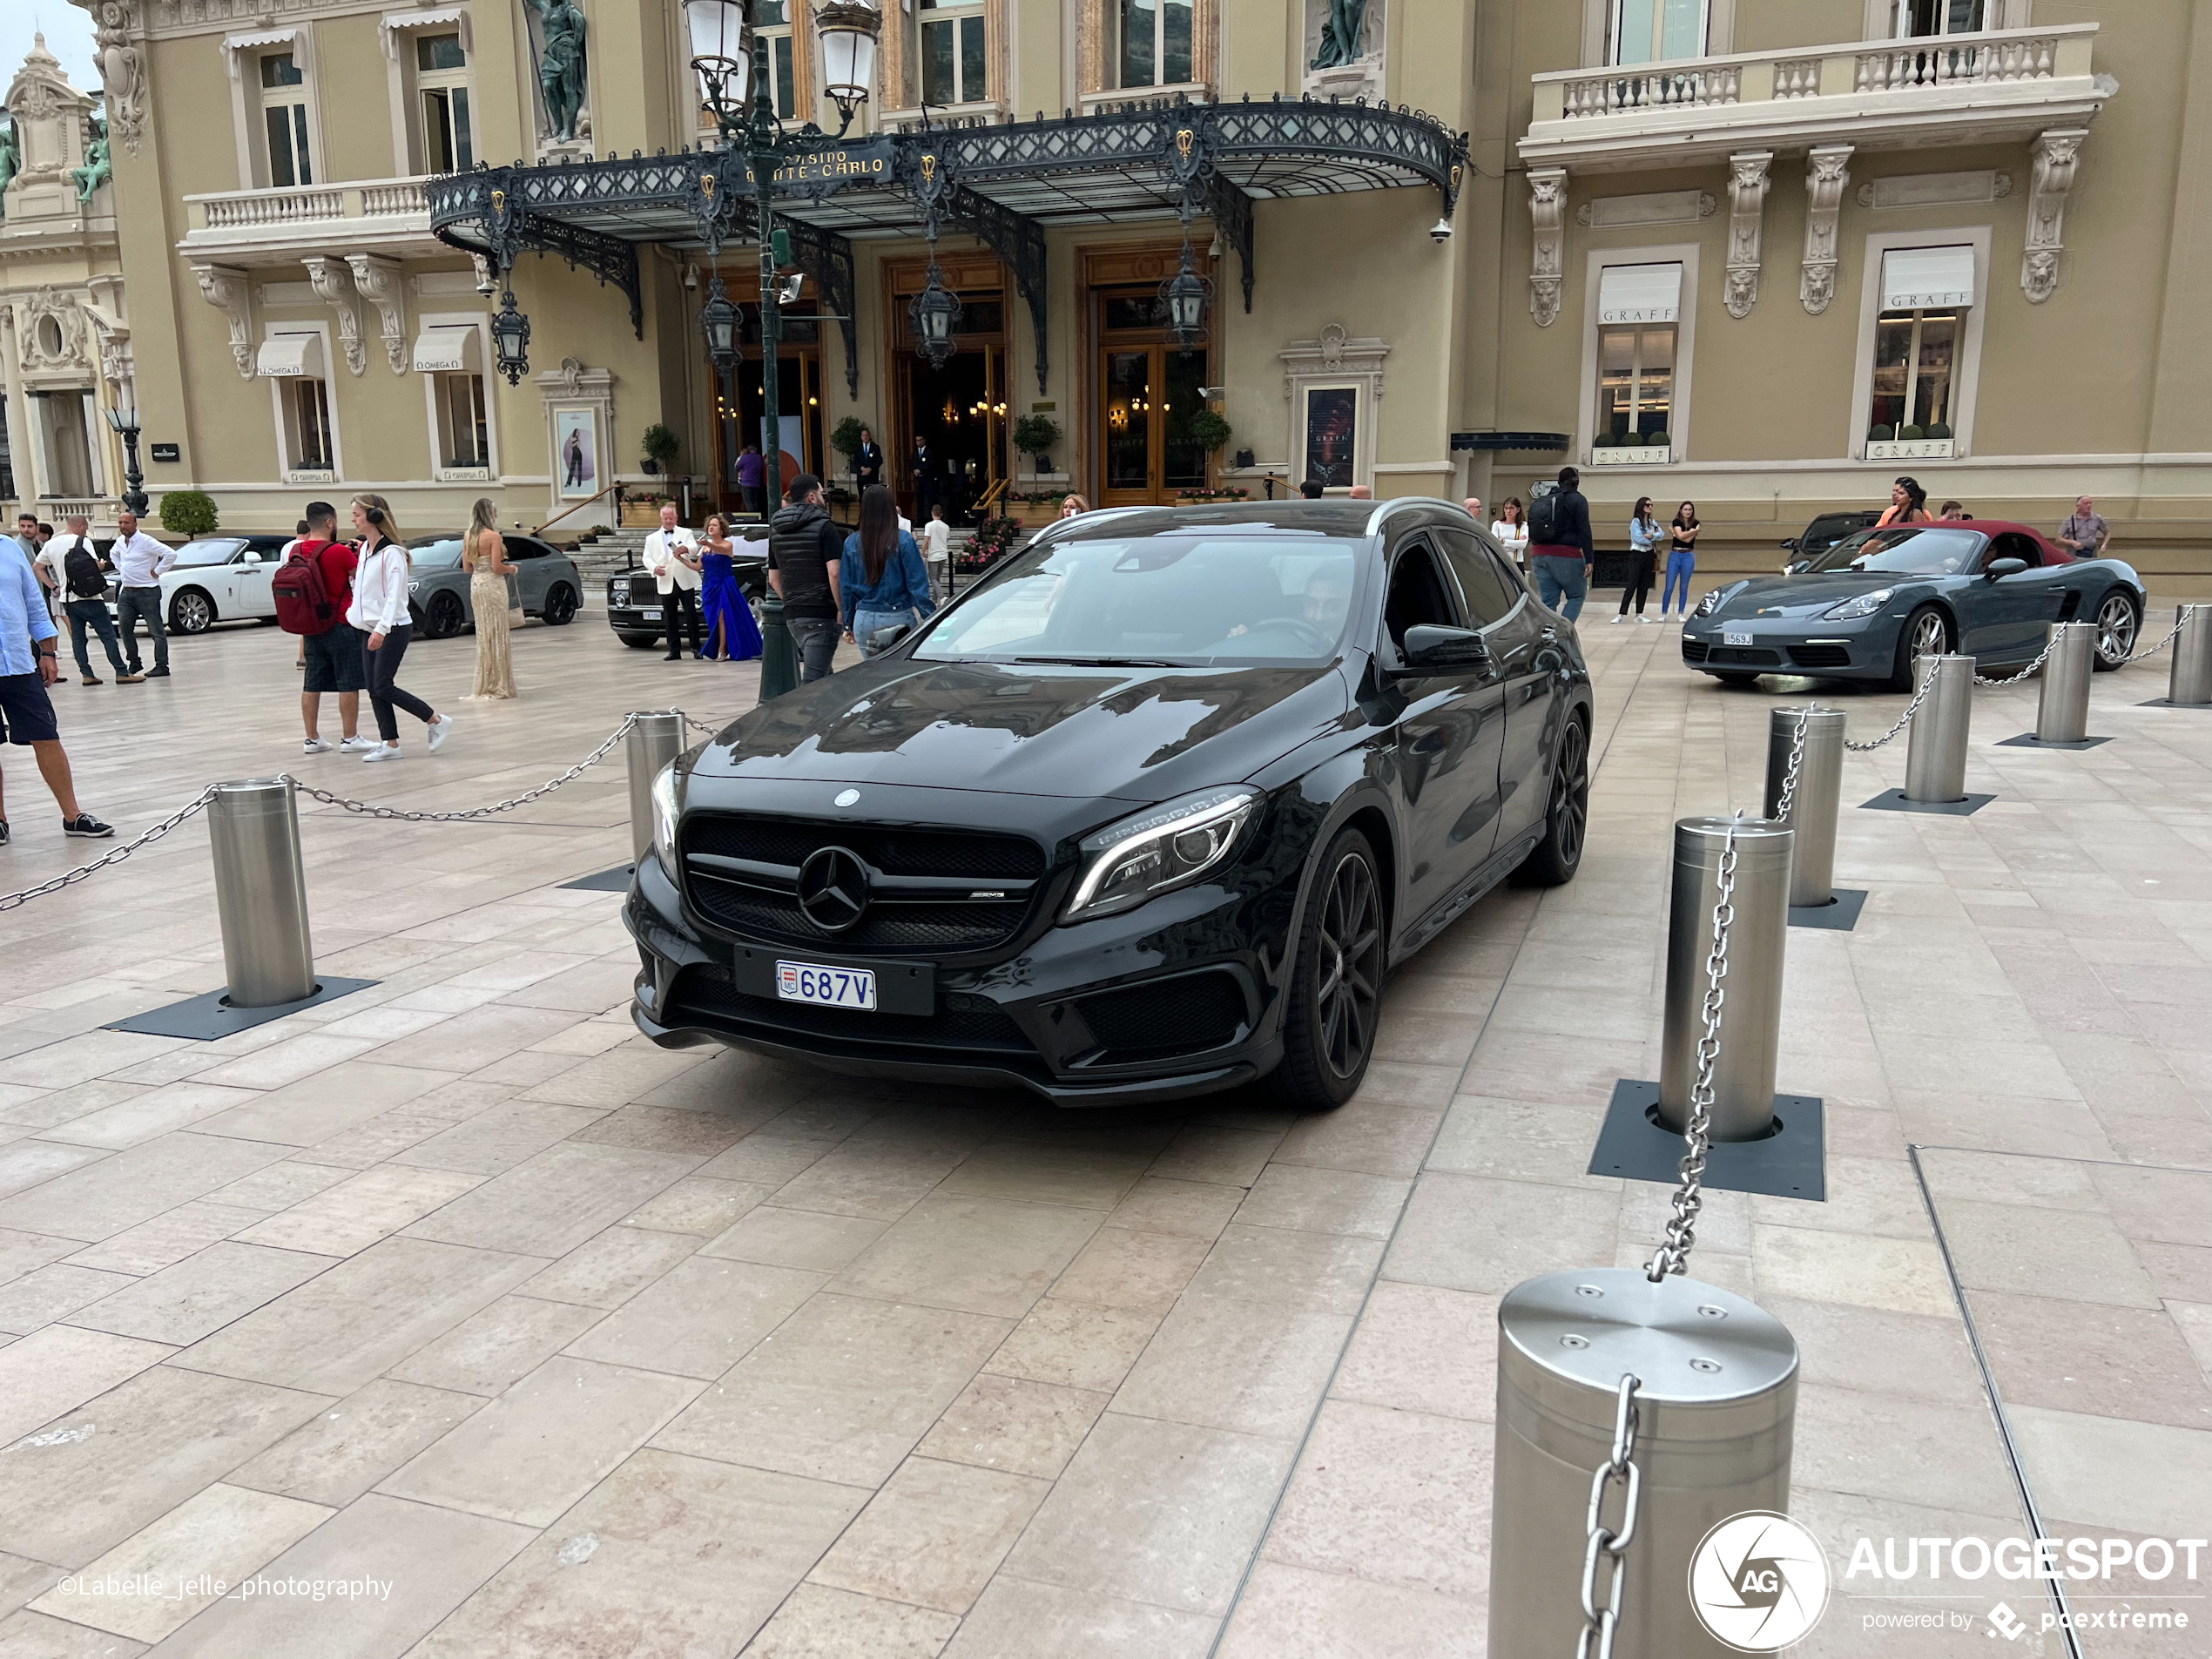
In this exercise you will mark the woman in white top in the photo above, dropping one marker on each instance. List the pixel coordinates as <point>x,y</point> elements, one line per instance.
<point>379,609</point>
<point>1511,531</point>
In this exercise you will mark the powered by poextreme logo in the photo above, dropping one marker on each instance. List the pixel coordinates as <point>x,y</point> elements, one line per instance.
<point>1758,1581</point>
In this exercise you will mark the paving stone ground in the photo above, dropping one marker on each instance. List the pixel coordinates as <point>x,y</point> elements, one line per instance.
<point>458,1285</point>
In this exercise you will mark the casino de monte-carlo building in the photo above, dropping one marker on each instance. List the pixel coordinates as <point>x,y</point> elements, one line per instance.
<point>1762,256</point>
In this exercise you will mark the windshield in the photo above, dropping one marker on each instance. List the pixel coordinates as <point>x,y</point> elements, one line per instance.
<point>1177,601</point>
<point>1905,549</point>
<point>215,552</point>
<point>440,555</point>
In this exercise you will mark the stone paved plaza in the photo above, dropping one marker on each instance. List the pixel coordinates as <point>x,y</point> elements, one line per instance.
<point>459,1285</point>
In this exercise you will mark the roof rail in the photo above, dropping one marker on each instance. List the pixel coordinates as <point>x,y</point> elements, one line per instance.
<point>1398,503</point>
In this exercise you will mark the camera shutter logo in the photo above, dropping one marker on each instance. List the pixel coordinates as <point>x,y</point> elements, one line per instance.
<point>1758,1581</point>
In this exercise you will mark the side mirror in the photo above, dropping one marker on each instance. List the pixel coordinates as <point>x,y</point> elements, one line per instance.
<point>2003,568</point>
<point>251,558</point>
<point>1790,546</point>
<point>884,638</point>
<point>1431,650</point>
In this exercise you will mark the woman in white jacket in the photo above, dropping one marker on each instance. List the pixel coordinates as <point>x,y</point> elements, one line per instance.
<point>379,609</point>
<point>1510,531</point>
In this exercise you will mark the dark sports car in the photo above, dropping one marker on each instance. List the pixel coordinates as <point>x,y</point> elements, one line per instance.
<point>1870,604</point>
<point>1149,812</point>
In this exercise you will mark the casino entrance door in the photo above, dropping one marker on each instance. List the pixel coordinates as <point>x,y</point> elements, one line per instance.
<point>1144,387</point>
<point>798,404</point>
<point>961,409</point>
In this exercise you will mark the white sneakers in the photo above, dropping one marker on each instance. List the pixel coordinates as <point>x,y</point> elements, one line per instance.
<point>1642,618</point>
<point>382,751</point>
<point>1620,620</point>
<point>357,745</point>
<point>316,746</point>
<point>440,729</point>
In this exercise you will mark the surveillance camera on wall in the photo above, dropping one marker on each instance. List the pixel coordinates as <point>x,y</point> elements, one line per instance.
<point>1441,231</point>
<point>1211,392</point>
<point>691,276</point>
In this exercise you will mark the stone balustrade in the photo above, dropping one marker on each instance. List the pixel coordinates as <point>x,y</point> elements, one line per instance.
<point>375,213</point>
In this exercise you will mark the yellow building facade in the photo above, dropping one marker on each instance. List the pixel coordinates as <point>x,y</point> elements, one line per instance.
<point>1806,247</point>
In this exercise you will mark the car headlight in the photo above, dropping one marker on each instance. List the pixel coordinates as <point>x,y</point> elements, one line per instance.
<point>1718,597</point>
<point>618,593</point>
<point>668,801</point>
<point>1866,605</point>
<point>1126,863</point>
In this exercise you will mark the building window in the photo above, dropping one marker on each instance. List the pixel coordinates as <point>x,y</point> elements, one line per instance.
<point>69,449</point>
<point>306,424</point>
<point>952,57</point>
<point>771,19</point>
<point>1152,41</point>
<point>464,432</point>
<point>1636,384</point>
<point>1913,354</point>
<point>284,117</point>
<point>1648,32</point>
<point>1917,18</point>
<point>442,98</point>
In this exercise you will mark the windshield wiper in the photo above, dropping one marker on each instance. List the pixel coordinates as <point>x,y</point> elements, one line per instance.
<point>1107,661</point>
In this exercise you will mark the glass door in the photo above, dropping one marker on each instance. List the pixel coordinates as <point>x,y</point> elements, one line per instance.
<point>1128,420</point>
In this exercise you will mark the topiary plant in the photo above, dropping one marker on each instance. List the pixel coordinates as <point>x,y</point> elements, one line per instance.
<point>1939,429</point>
<point>1658,440</point>
<point>188,512</point>
<point>1911,434</point>
<point>844,438</point>
<point>660,446</point>
<point>1629,441</point>
<point>1033,436</point>
<point>1881,434</point>
<point>1209,430</point>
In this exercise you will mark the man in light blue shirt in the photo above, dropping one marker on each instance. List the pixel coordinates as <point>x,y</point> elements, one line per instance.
<point>28,642</point>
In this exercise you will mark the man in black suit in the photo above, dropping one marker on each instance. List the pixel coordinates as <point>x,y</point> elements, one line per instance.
<point>867,461</point>
<point>925,482</point>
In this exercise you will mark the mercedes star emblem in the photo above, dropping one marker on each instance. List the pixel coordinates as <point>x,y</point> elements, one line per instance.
<point>832,888</point>
<point>846,797</point>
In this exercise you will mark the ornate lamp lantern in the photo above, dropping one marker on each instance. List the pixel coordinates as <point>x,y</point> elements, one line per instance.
<point>722,55</point>
<point>719,321</point>
<point>848,31</point>
<point>511,335</point>
<point>934,315</point>
<point>1184,300</point>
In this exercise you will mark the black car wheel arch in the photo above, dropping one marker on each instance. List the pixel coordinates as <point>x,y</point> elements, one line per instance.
<point>560,606</point>
<point>1333,1014</point>
<point>1930,624</point>
<point>1567,812</point>
<point>443,617</point>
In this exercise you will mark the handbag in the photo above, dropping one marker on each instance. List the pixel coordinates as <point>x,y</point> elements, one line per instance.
<point>514,600</point>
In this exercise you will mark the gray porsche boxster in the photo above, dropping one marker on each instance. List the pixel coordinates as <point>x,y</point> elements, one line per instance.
<point>1865,608</point>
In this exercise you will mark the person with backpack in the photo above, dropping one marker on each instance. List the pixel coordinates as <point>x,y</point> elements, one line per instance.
<point>83,590</point>
<point>311,589</point>
<point>1560,545</point>
<point>806,559</point>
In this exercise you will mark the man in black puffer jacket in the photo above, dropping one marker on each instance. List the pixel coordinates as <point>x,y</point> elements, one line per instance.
<point>804,552</point>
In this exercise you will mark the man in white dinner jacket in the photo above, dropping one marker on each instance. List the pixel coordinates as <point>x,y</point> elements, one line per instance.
<point>673,557</point>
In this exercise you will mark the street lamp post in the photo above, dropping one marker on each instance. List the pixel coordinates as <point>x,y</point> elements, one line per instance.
<point>124,421</point>
<point>765,152</point>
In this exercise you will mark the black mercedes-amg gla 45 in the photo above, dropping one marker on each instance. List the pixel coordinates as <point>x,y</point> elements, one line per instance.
<point>1150,811</point>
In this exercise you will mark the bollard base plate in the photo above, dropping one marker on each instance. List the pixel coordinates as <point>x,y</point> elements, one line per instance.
<point>1790,1163</point>
<point>2029,740</point>
<point>1840,915</point>
<point>203,1019</point>
<point>614,880</point>
<point>2169,703</point>
<point>1893,800</point>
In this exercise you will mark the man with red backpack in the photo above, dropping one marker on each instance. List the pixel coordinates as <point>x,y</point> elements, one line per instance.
<point>310,589</point>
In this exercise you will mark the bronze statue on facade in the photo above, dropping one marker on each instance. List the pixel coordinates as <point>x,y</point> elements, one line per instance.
<point>561,69</point>
<point>1340,34</point>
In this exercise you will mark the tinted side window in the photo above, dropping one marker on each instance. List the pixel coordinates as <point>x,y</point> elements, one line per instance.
<point>521,547</point>
<point>1418,595</point>
<point>1487,596</point>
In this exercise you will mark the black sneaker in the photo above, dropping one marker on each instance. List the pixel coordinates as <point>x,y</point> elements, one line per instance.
<point>157,673</point>
<point>3,832</point>
<point>87,825</point>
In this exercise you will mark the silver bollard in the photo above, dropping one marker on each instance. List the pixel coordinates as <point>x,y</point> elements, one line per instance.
<point>2191,682</point>
<point>1716,1399</point>
<point>260,892</point>
<point>1935,755</point>
<point>2062,713</point>
<point>1813,808</point>
<point>1750,1027</point>
<point>656,739</point>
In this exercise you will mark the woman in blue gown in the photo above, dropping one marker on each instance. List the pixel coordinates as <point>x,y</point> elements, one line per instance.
<point>731,634</point>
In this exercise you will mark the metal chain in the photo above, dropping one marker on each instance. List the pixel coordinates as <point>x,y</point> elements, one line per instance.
<point>2043,656</point>
<point>1673,1255</point>
<point>1601,1624</point>
<point>701,725</point>
<point>2172,634</point>
<point>369,810</point>
<point>114,855</point>
<point>1789,796</point>
<point>1903,720</point>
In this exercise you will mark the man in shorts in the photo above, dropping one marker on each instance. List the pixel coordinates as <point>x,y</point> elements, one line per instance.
<point>334,657</point>
<point>28,665</point>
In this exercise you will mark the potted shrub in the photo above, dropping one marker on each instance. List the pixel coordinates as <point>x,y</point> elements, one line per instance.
<point>1659,441</point>
<point>1939,430</point>
<point>1209,431</point>
<point>1882,434</point>
<point>642,510</point>
<point>660,446</point>
<point>1911,434</point>
<point>844,438</point>
<point>1033,436</point>
<point>988,544</point>
<point>188,512</point>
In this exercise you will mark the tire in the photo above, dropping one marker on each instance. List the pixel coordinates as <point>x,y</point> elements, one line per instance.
<point>191,611</point>
<point>1567,815</point>
<point>1336,993</point>
<point>1926,633</point>
<point>444,617</point>
<point>639,641</point>
<point>1738,680</point>
<point>2120,625</point>
<point>560,606</point>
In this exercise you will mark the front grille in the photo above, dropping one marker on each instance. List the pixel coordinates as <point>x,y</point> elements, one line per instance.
<point>707,995</point>
<point>1744,656</point>
<point>1184,1015</point>
<point>1820,656</point>
<point>1693,651</point>
<point>764,906</point>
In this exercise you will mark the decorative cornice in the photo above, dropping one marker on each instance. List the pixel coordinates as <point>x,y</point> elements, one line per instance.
<point>1547,217</point>
<point>334,283</point>
<point>1827,176</point>
<point>2056,154</point>
<point>1748,183</point>
<point>377,279</point>
<point>225,288</point>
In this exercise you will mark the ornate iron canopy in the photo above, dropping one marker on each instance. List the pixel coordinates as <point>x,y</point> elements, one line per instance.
<point>1004,184</point>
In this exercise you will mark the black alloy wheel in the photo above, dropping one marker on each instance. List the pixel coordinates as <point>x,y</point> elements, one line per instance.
<point>560,606</point>
<point>1336,993</point>
<point>2118,625</point>
<point>191,611</point>
<point>1567,814</point>
<point>444,617</point>
<point>1925,634</point>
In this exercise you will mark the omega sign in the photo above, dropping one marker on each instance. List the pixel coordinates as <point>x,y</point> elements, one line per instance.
<point>867,162</point>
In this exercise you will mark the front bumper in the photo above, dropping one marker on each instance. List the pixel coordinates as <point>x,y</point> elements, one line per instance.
<point>1178,998</point>
<point>1863,648</point>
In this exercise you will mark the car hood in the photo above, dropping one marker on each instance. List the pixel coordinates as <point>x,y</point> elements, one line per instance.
<point>1805,595</point>
<point>1140,734</point>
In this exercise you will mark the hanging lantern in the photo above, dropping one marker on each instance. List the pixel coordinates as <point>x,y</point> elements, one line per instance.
<point>848,31</point>
<point>719,321</point>
<point>510,334</point>
<point>722,55</point>
<point>934,316</point>
<point>1183,300</point>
